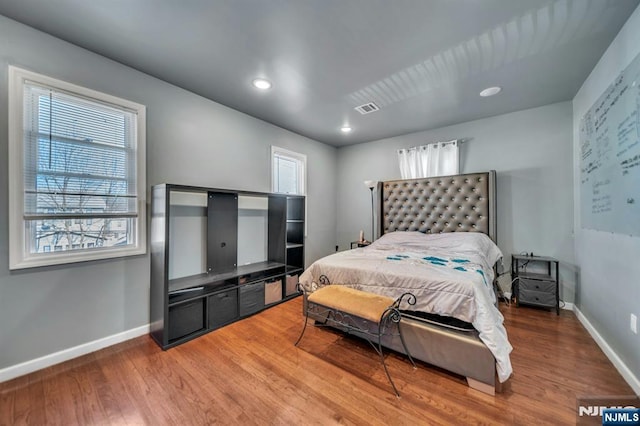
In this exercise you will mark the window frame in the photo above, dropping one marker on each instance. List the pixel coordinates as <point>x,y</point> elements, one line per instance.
<point>301,160</point>
<point>20,256</point>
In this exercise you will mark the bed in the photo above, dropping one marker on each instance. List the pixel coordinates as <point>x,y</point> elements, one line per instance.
<point>436,241</point>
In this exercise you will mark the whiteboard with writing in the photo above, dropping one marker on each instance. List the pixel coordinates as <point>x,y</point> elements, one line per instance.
<point>610,157</point>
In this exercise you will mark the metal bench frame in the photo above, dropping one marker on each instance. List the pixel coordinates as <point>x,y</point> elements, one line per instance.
<point>363,327</point>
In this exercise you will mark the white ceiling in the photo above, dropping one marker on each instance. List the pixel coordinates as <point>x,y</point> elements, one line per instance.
<point>423,62</point>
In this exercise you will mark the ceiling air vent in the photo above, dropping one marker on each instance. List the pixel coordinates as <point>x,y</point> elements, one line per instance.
<point>367,108</point>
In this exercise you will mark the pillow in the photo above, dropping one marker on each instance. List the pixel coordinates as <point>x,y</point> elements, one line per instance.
<point>456,241</point>
<point>401,237</point>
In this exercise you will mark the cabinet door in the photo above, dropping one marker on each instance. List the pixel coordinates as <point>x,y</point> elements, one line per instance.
<point>222,231</point>
<point>277,228</point>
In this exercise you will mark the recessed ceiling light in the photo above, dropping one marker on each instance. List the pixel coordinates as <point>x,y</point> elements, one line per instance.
<point>261,83</point>
<point>345,129</point>
<point>490,91</point>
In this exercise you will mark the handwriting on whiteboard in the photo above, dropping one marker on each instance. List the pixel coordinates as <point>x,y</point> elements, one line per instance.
<point>610,157</point>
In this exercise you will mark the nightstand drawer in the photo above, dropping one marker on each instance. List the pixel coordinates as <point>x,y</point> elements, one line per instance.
<point>536,297</point>
<point>537,285</point>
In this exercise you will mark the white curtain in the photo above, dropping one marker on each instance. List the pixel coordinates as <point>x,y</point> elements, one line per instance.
<point>434,159</point>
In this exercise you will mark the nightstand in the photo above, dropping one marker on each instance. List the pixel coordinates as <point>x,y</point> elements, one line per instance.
<point>536,281</point>
<point>355,244</point>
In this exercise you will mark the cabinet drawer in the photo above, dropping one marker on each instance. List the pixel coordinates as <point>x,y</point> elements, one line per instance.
<point>538,285</point>
<point>186,318</point>
<point>536,297</point>
<point>251,298</point>
<point>223,308</point>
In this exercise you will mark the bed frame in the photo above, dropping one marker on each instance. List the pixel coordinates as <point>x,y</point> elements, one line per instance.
<point>460,203</point>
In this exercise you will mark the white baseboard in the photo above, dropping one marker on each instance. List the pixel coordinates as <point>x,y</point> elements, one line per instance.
<point>66,354</point>
<point>622,368</point>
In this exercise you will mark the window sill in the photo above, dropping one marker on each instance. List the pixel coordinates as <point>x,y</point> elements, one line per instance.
<point>48,259</point>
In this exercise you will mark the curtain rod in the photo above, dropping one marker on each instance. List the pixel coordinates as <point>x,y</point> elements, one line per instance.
<point>434,143</point>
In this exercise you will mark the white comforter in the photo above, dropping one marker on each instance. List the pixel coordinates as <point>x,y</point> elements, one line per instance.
<point>450,274</point>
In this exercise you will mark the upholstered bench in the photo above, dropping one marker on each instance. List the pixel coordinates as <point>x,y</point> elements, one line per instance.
<point>351,310</point>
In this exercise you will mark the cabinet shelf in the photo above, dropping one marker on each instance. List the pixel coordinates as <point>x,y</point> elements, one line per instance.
<point>219,279</point>
<point>176,298</point>
<point>199,280</point>
<point>214,234</point>
<point>293,269</point>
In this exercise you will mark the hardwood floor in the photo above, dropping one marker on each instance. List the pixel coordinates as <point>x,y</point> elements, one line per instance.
<point>250,373</point>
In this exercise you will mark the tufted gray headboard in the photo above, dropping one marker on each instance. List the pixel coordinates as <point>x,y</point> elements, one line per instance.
<point>460,203</point>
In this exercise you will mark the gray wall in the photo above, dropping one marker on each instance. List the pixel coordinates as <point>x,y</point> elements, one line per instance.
<point>190,140</point>
<point>609,270</point>
<point>531,151</point>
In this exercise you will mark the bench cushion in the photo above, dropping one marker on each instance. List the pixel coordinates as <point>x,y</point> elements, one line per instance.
<point>358,303</point>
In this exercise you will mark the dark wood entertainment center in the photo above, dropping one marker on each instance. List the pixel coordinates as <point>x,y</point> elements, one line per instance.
<point>218,290</point>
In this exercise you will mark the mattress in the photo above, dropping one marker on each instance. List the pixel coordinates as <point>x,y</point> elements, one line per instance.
<point>450,274</point>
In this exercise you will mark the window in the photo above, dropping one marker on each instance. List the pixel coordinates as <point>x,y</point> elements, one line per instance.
<point>288,172</point>
<point>434,159</point>
<point>76,173</point>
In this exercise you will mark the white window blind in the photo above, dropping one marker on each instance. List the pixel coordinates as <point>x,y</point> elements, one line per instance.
<point>81,179</point>
<point>288,171</point>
